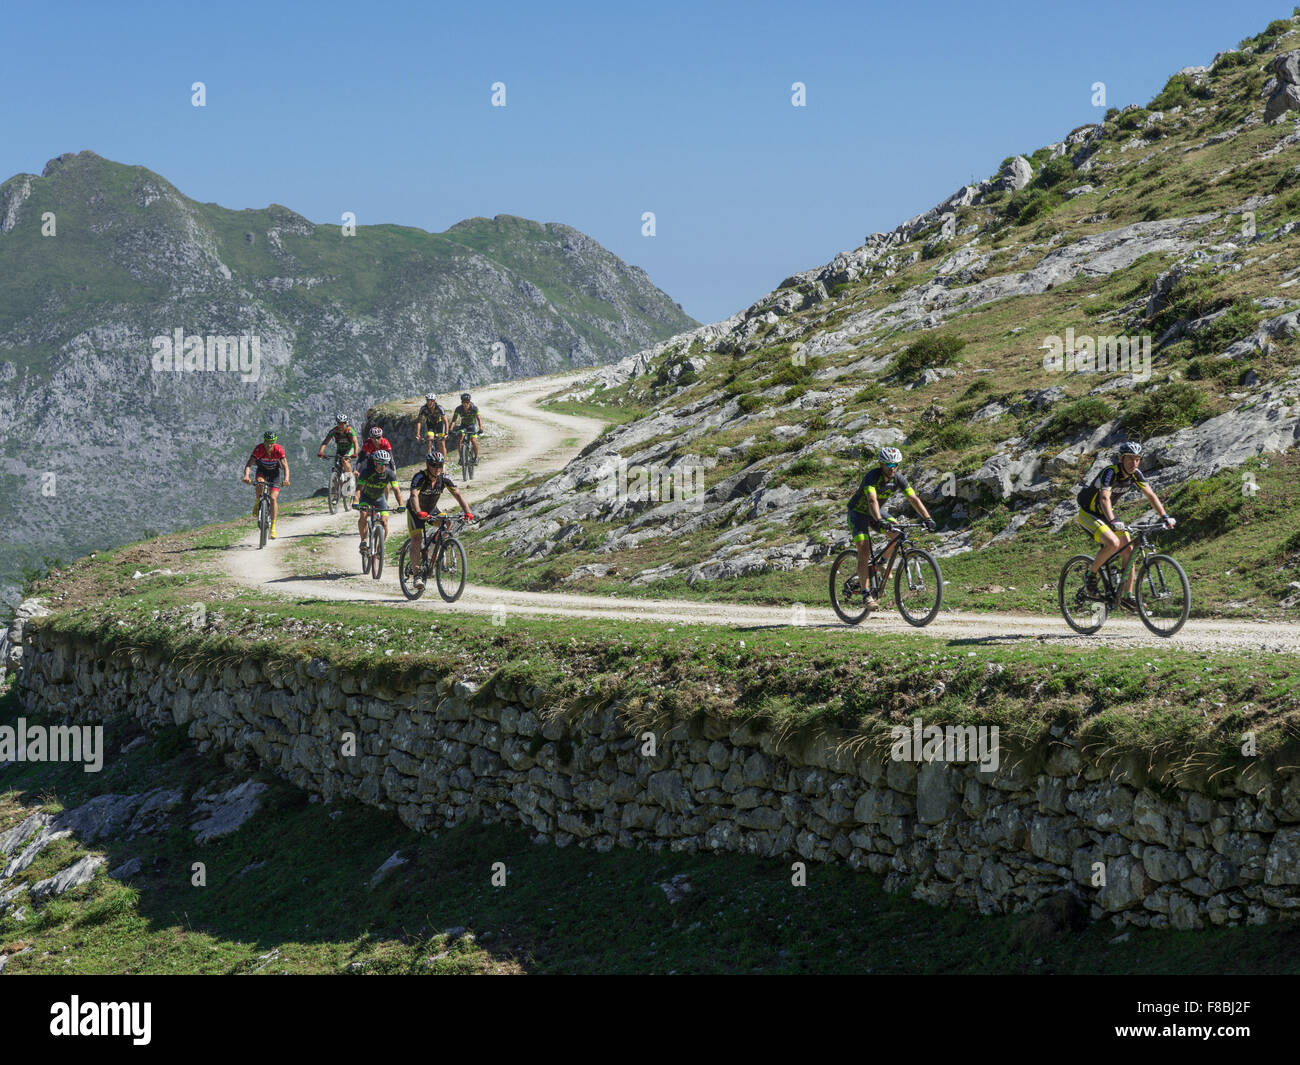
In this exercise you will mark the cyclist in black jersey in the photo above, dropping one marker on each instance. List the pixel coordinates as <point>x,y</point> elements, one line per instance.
<point>345,441</point>
<point>1097,516</point>
<point>467,420</point>
<point>431,424</point>
<point>877,487</point>
<point>422,501</point>
<point>376,477</point>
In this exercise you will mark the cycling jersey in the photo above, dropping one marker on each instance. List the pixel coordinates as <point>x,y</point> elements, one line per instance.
<point>874,483</point>
<point>466,419</point>
<point>425,490</point>
<point>373,479</point>
<point>267,461</point>
<point>374,445</point>
<point>435,421</point>
<point>345,439</point>
<point>1112,477</point>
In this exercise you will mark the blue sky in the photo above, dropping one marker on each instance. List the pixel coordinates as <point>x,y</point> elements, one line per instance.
<point>679,108</point>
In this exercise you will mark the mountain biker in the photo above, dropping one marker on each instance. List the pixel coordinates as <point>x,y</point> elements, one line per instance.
<point>1098,517</point>
<point>467,419</point>
<point>376,475</point>
<point>376,441</point>
<point>422,501</point>
<point>877,486</point>
<point>271,462</point>
<point>345,441</point>
<point>432,420</point>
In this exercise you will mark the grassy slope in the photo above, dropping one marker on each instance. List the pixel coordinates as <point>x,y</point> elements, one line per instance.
<point>1240,552</point>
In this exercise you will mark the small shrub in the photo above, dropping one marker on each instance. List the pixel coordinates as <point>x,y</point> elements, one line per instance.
<point>1164,408</point>
<point>1055,172</point>
<point>1237,321</point>
<point>929,349</point>
<point>1179,91</point>
<point>750,402</point>
<point>1083,413</point>
<point>873,392</point>
<point>1132,120</point>
<point>951,437</point>
<point>1230,62</point>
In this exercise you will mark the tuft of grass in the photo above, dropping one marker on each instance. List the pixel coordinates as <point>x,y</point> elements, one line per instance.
<point>929,350</point>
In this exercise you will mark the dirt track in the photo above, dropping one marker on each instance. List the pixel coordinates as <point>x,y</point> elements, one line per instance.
<point>526,439</point>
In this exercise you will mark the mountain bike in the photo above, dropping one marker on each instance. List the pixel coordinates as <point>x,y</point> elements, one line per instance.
<point>341,483</point>
<point>918,583</point>
<point>372,549</point>
<point>1162,595</point>
<point>440,552</point>
<point>467,457</point>
<point>263,513</point>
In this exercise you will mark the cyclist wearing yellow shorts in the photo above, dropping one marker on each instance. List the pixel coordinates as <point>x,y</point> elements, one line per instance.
<point>422,502</point>
<point>877,486</point>
<point>432,422</point>
<point>1098,517</point>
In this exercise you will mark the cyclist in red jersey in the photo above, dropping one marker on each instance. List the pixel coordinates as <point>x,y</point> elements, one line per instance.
<point>377,441</point>
<point>271,463</point>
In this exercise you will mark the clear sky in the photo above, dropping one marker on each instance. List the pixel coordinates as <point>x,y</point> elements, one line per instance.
<point>612,109</point>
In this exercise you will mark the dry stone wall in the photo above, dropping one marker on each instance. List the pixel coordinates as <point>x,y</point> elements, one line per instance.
<point>443,751</point>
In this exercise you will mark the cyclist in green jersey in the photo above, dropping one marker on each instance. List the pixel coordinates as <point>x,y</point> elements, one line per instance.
<point>467,420</point>
<point>877,487</point>
<point>345,441</point>
<point>1098,517</point>
<point>376,477</point>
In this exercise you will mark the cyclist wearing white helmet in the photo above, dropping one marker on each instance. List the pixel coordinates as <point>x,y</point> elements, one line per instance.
<point>1097,516</point>
<point>345,441</point>
<point>877,487</point>
<point>376,476</point>
<point>431,425</point>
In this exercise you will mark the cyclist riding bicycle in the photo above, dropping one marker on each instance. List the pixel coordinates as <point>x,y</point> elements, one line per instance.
<point>345,441</point>
<point>466,419</point>
<point>422,502</point>
<point>877,487</point>
<point>376,476</point>
<point>376,441</point>
<point>1097,516</point>
<point>431,423</point>
<point>271,463</point>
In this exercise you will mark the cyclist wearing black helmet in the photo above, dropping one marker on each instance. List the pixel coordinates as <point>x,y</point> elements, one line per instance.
<point>1097,516</point>
<point>878,485</point>
<point>345,441</point>
<point>272,464</point>
<point>467,419</point>
<point>431,424</point>
<point>422,501</point>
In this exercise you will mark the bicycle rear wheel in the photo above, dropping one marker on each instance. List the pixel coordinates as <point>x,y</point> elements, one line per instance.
<point>407,580</point>
<point>334,491</point>
<point>1084,614</point>
<point>449,567</point>
<point>376,549</point>
<point>1164,597</point>
<point>920,596</point>
<point>846,593</point>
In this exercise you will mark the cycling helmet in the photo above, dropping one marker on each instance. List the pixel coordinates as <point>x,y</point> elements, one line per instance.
<point>1130,447</point>
<point>269,437</point>
<point>890,454</point>
<point>434,458</point>
<point>341,419</point>
<point>376,432</point>
<point>382,457</point>
<point>464,397</point>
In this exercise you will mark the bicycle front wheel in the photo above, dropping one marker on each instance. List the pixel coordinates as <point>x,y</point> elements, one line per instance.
<point>846,593</point>
<point>377,550</point>
<point>407,580</point>
<point>1083,613</point>
<point>918,587</point>
<point>263,522</point>
<point>450,569</point>
<point>1164,597</point>
<point>334,492</point>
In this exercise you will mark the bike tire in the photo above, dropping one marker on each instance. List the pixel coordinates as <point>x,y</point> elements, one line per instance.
<point>450,560</point>
<point>263,522</point>
<point>407,581</point>
<point>334,492</point>
<point>922,558</point>
<point>1073,574</point>
<point>1159,563</point>
<point>376,550</point>
<point>849,556</point>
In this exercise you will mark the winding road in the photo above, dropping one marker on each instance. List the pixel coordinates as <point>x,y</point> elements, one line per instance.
<point>526,439</point>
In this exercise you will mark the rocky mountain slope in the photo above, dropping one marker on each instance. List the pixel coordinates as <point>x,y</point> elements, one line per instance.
<point>105,269</point>
<point>1137,279</point>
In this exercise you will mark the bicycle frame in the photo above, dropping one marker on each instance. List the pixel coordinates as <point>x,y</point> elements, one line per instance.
<point>1142,549</point>
<point>900,545</point>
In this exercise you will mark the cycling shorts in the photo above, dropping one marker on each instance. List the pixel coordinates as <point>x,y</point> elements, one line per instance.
<point>1095,524</point>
